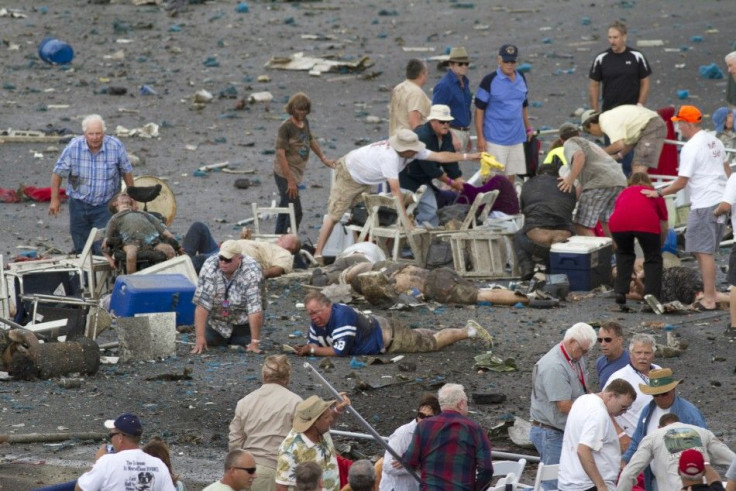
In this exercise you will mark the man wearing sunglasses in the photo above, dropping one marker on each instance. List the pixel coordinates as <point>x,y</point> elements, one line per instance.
<point>435,134</point>
<point>453,90</point>
<point>501,115</point>
<point>125,466</point>
<point>662,387</point>
<point>613,355</point>
<point>240,471</point>
<point>228,299</point>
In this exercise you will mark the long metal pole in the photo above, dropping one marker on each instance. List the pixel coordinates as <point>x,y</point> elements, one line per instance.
<point>494,453</point>
<point>378,438</point>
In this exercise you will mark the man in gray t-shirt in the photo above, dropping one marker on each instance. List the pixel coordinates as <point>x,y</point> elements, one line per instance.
<point>600,179</point>
<point>558,378</point>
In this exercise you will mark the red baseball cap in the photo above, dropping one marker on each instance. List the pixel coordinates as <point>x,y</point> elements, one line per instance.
<point>688,114</point>
<point>691,462</point>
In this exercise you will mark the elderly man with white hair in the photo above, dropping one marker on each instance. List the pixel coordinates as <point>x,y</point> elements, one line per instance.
<point>558,378</point>
<point>731,90</point>
<point>451,450</point>
<point>93,165</point>
<point>641,353</point>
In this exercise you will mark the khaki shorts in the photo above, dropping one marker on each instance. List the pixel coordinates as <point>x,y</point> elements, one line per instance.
<point>406,340</point>
<point>345,192</point>
<point>512,156</point>
<point>649,147</point>
<point>265,478</point>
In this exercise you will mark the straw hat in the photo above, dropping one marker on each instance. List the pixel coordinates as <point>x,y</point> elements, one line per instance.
<point>309,411</point>
<point>660,381</point>
<point>458,54</point>
<point>406,139</point>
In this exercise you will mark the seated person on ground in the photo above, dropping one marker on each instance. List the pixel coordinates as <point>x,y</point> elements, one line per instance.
<point>340,330</point>
<point>136,232</point>
<point>275,258</point>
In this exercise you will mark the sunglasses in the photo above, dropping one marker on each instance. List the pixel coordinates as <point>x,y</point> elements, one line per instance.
<point>249,470</point>
<point>444,123</point>
<point>225,260</point>
<point>607,340</point>
<point>510,62</point>
<point>662,395</point>
<point>112,435</point>
<point>462,63</point>
<point>421,415</point>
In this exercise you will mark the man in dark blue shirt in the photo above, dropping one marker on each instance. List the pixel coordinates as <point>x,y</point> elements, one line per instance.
<point>340,330</point>
<point>435,134</point>
<point>453,90</point>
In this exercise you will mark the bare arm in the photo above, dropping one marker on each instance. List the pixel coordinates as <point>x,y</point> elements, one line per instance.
<point>415,119</point>
<point>643,91</point>
<point>564,406</point>
<point>255,321</point>
<point>479,117</point>
<point>664,228</point>
<point>730,485</point>
<point>318,152</point>
<point>594,93</point>
<point>727,168</point>
<point>273,272</point>
<point>673,188</point>
<point>55,204</point>
<point>527,125</point>
<point>451,157</point>
<point>585,454</point>
<point>200,320</point>
<point>128,179</point>
<point>306,349</point>
<point>565,184</point>
<point>722,209</point>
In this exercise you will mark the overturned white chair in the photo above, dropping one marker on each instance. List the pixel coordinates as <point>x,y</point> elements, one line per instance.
<point>510,470</point>
<point>545,473</point>
<point>263,212</point>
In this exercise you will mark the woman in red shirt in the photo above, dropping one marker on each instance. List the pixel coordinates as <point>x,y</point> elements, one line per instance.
<point>636,216</point>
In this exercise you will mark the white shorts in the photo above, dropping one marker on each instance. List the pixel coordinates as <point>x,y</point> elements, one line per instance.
<point>510,155</point>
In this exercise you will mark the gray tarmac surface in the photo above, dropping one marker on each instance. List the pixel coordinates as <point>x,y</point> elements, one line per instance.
<point>557,38</point>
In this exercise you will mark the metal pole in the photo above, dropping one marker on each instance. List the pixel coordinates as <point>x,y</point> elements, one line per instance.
<point>378,438</point>
<point>494,453</point>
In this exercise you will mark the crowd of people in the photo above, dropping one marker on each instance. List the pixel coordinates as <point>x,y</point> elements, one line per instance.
<point>278,440</point>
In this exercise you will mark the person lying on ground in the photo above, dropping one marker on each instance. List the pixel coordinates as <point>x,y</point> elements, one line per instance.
<point>275,258</point>
<point>135,232</point>
<point>340,330</point>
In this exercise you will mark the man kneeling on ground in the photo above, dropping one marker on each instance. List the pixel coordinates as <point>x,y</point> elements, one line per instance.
<point>340,330</point>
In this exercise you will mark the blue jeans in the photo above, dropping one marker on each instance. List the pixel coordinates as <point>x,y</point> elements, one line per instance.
<point>82,218</point>
<point>67,486</point>
<point>199,244</point>
<point>282,222</point>
<point>240,336</point>
<point>548,443</point>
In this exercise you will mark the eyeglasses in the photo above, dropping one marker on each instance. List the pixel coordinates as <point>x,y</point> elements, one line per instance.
<point>112,435</point>
<point>225,260</point>
<point>607,340</point>
<point>662,395</point>
<point>421,415</point>
<point>249,470</point>
<point>444,123</point>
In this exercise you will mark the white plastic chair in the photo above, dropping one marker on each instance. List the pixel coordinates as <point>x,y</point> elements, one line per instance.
<point>545,473</point>
<point>511,469</point>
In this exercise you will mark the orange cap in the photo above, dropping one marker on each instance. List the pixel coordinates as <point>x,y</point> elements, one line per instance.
<point>688,114</point>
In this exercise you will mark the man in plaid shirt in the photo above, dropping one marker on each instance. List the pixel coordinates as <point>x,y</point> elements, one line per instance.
<point>451,450</point>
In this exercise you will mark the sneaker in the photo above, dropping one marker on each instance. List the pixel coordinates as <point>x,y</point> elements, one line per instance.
<point>656,306</point>
<point>621,299</point>
<point>479,333</point>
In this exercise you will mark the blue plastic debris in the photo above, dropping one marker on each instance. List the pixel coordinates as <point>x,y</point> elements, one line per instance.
<point>199,173</point>
<point>546,40</point>
<point>175,28</point>
<point>147,90</point>
<point>585,21</point>
<point>711,71</point>
<point>211,61</point>
<point>524,68</point>
<point>537,104</point>
<point>354,363</point>
<point>485,303</point>
<point>387,13</point>
<point>242,8</point>
<point>696,39</point>
<point>518,305</point>
<point>683,94</point>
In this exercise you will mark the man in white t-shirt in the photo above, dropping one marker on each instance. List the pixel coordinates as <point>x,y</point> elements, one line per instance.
<point>728,204</point>
<point>704,170</point>
<point>128,467</point>
<point>590,451</point>
<point>362,169</point>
